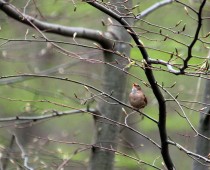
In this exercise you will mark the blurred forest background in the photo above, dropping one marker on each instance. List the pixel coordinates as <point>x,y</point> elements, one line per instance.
<point>46,141</point>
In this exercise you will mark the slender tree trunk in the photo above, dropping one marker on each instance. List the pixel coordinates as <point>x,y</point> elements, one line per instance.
<point>203,145</point>
<point>114,82</point>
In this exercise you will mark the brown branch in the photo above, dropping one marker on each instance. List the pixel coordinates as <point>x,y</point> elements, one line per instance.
<point>189,153</point>
<point>99,147</point>
<point>93,112</point>
<point>89,34</point>
<point>151,79</point>
<point>189,55</point>
<point>81,83</point>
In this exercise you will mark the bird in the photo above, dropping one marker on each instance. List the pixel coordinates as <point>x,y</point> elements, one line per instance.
<point>137,98</point>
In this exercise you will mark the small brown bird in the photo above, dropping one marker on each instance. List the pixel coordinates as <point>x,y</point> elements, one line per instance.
<point>137,98</point>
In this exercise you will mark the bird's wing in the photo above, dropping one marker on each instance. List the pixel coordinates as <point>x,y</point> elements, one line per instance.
<point>145,99</point>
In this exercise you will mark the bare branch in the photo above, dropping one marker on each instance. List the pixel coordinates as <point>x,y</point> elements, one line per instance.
<point>81,83</point>
<point>85,33</point>
<point>93,112</point>
<point>100,147</point>
<point>23,153</point>
<point>194,155</point>
<point>153,8</point>
<point>190,48</point>
<point>151,79</point>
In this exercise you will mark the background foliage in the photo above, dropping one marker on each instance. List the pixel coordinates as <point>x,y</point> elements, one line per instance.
<point>25,57</point>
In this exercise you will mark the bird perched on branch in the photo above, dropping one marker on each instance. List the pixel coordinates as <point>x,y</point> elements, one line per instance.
<point>137,98</point>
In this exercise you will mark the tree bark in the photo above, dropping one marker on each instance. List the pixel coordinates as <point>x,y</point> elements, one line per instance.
<point>114,82</point>
<point>203,145</point>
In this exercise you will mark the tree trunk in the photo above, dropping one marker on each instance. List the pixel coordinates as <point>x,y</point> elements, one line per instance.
<point>203,145</point>
<point>114,82</point>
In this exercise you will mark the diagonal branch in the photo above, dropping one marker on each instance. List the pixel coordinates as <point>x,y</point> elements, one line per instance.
<point>199,25</point>
<point>89,34</point>
<point>151,79</point>
<point>83,84</point>
<point>152,8</point>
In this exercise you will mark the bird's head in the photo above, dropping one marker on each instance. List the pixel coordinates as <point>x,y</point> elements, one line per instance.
<point>135,88</point>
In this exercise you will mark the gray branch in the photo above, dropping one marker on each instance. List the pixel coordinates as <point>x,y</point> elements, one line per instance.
<point>89,34</point>
<point>152,8</point>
